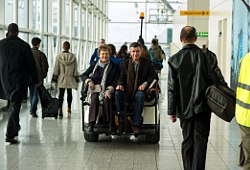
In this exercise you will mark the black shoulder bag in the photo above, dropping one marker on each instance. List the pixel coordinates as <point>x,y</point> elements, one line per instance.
<point>220,98</point>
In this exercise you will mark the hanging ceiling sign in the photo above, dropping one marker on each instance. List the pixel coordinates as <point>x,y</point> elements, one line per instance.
<point>194,13</point>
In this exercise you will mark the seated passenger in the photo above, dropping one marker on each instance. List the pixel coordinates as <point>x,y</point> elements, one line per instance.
<point>136,75</point>
<point>123,52</point>
<point>101,78</point>
<point>113,55</point>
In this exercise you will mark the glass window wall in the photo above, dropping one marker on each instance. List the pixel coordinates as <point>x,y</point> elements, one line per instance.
<point>45,16</point>
<point>24,36</point>
<point>32,22</point>
<point>8,12</point>
<point>66,17</point>
<point>89,27</point>
<point>36,13</point>
<point>75,20</point>
<point>74,47</point>
<point>22,13</point>
<point>54,17</point>
<point>83,23</point>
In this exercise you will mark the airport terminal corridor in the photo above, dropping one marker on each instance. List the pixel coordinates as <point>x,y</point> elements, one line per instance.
<point>59,144</point>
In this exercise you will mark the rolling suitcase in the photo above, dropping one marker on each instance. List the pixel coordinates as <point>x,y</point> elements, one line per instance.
<point>49,105</point>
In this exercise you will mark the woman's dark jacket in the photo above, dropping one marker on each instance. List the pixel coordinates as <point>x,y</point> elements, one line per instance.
<point>112,74</point>
<point>17,65</point>
<point>188,79</point>
<point>127,78</point>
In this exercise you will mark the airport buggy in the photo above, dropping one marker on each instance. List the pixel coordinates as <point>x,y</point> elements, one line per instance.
<point>150,123</point>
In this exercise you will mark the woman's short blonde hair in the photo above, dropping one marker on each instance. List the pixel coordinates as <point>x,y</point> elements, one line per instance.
<point>104,47</point>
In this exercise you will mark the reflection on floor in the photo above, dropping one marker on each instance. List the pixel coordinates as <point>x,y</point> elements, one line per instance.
<point>59,144</point>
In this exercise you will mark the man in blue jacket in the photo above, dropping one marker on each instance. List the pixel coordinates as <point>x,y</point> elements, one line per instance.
<point>17,66</point>
<point>95,56</point>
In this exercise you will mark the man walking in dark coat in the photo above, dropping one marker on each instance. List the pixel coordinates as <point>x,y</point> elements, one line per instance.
<point>17,65</point>
<point>187,82</point>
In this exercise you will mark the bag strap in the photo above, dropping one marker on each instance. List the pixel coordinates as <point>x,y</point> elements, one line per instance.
<point>208,68</point>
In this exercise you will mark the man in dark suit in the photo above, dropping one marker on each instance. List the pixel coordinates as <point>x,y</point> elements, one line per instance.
<point>17,65</point>
<point>136,75</point>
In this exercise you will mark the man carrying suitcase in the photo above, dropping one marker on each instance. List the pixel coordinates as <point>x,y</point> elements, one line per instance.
<point>42,70</point>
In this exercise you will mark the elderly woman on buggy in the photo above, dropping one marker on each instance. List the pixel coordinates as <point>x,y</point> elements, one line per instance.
<point>101,78</point>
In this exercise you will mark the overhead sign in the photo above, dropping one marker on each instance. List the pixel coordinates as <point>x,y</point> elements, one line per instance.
<point>194,13</point>
<point>202,34</point>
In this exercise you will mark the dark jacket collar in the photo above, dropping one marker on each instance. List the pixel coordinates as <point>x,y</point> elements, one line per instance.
<point>12,36</point>
<point>188,46</point>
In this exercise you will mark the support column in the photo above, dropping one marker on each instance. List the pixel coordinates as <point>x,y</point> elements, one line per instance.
<point>42,19</point>
<point>50,57</point>
<point>71,21</point>
<point>92,28</point>
<point>86,52</point>
<point>79,45</point>
<point>59,27</point>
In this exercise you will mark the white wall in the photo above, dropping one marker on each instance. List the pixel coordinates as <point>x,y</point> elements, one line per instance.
<point>220,20</point>
<point>221,13</point>
<point>178,23</point>
<point>199,22</point>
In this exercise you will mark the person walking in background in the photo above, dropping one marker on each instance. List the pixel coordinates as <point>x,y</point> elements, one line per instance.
<point>156,54</point>
<point>242,112</point>
<point>42,70</point>
<point>95,56</point>
<point>66,76</point>
<point>17,66</point>
<point>187,82</point>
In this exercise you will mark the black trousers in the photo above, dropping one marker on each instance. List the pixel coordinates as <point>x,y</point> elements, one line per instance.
<point>94,109</point>
<point>61,97</point>
<point>195,131</point>
<point>13,124</point>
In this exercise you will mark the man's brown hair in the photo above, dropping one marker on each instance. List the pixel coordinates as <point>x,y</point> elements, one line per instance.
<point>135,44</point>
<point>66,46</point>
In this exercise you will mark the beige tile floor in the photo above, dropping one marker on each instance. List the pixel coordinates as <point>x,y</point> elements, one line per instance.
<point>59,144</point>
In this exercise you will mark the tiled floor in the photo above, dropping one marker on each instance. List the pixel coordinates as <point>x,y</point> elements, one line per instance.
<point>59,144</point>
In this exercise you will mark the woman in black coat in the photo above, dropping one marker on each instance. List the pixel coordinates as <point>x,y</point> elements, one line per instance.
<point>101,78</point>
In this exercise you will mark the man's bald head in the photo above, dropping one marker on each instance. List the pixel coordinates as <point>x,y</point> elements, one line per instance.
<point>188,34</point>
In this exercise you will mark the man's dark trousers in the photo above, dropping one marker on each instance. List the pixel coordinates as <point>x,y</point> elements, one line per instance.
<point>13,124</point>
<point>195,131</point>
